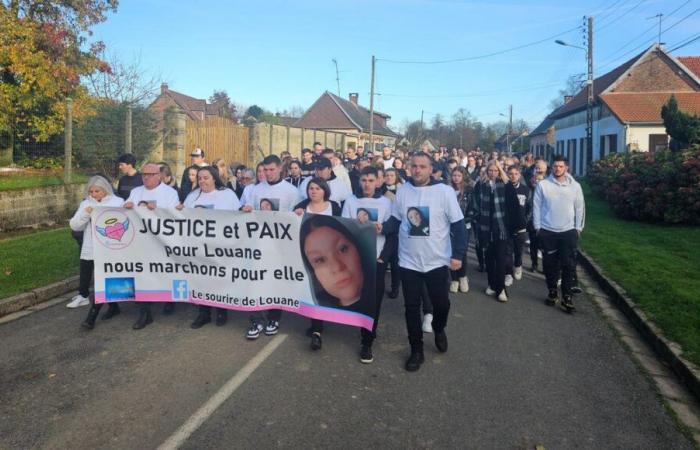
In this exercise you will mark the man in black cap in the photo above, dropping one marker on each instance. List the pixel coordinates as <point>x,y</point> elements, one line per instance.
<point>339,188</point>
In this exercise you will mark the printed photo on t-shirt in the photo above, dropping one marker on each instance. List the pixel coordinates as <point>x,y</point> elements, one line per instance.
<point>365,215</point>
<point>270,204</point>
<point>143,203</point>
<point>418,220</point>
<point>204,206</point>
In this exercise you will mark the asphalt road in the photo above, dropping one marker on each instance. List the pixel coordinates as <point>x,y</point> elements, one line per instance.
<point>516,375</point>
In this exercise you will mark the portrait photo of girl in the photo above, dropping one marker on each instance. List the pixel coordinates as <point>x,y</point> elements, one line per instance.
<point>418,220</point>
<point>340,258</point>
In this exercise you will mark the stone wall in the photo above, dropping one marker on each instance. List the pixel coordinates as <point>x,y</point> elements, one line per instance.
<point>25,208</point>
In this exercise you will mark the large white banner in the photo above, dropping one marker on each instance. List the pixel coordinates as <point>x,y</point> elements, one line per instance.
<point>318,266</point>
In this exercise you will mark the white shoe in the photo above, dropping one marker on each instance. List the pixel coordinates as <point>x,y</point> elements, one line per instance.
<point>518,272</point>
<point>454,286</point>
<point>428,323</point>
<point>509,280</point>
<point>78,301</point>
<point>502,297</point>
<point>464,284</point>
<point>539,255</point>
<point>490,291</point>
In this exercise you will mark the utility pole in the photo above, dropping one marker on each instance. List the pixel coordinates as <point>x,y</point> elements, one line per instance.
<point>127,129</point>
<point>371,108</point>
<point>658,16</point>
<point>589,104</point>
<point>510,126</point>
<point>337,75</point>
<point>68,142</point>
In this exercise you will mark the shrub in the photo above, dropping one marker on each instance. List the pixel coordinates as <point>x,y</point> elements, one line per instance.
<point>651,187</point>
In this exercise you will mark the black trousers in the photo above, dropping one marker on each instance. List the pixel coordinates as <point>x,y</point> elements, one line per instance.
<point>462,272</point>
<point>437,283</point>
<point>534,246</point>
<point>395,277</point>
<point>559,258</point>
<point>366,335</point>
<point>478,248</point>
<point>514,255</point>
<point>271,314</point>
<point>87,270</point>
<point>496,251</point>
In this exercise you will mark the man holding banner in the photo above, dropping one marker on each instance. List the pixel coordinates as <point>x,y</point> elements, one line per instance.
<point>431,228</point>
<point>153,194</point>
<point>274,194</point>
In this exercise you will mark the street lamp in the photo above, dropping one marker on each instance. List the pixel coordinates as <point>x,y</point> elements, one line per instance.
<point>589,83</point>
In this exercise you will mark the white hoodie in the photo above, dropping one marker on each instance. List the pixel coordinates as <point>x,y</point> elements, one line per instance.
<point>81,221</point>
<point>558,207</point>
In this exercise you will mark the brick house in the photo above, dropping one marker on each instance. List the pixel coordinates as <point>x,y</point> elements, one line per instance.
<point>196,109</point>
<point>333,113</point>
<point>626,109</point>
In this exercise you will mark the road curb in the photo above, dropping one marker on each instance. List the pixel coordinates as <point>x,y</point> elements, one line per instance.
<point>26,300</point>
<point>668,350</point>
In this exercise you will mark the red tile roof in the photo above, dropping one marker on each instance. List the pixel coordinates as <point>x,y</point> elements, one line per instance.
<point>692,63</point>
<point>645,107</point>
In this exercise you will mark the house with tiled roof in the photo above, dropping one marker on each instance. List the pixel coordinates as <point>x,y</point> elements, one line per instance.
<point>196,109</point>
<point>333,113</point>
<point>626,109</point>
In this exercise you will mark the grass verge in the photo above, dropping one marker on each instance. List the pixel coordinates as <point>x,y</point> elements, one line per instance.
<point>35,260</point>
<point>655,264</point>
<point>24,181</point>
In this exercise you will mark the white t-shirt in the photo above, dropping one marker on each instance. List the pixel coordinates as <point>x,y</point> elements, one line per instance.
<point>81,221</point>
<point>426,214</point>
<point>326,212</point>
<point>339,190</point>
<point>376,209</point>
<point>388,163</point>
<point>163,195</point>
<point>282,196</point>
<point>217,199</point>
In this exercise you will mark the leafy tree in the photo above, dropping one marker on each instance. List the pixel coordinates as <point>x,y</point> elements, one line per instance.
<point>42,59</point>
<point>254,111</point>
<point>683,128</point>
<point>225,106</point>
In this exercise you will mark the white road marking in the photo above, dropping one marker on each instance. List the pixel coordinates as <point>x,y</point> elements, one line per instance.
<point>207,409</point>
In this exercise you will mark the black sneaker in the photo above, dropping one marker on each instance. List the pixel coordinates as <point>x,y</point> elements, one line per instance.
<point>576,290</point>
<point>200,321</point>
<point>393,293</point>
<point>568,304</point>
<point>415,360</point>
<point>168,308</point>
<point>272,327</point>
<point>441,341</point>
<point>254,331</point>
<point>533,268</point>
<point>366,354</point>
<point>552,297</point>
<point>316,341</point>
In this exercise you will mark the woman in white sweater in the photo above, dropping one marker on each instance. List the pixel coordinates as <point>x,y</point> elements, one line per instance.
<point>99,193</point>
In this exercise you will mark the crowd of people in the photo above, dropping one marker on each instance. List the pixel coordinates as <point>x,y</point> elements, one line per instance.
<point>426,206</point>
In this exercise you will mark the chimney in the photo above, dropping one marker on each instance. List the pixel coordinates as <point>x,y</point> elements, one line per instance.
<point>353,97</point>
<point>568,98</point>
<point>163,88</point>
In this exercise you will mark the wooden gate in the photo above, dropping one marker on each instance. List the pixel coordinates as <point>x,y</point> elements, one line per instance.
<point>219,138</point>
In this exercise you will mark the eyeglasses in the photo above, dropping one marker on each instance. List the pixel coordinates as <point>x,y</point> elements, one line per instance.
<point>150,174</point>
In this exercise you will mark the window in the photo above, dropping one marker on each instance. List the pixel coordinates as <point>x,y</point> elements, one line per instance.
<point>602,147</point>
<point>572,160</point>
<point>612,142</point>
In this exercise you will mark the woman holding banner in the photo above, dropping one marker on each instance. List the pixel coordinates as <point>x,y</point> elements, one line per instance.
<point>211,194</point>
<point>317,202</point>
<point>99,193</point>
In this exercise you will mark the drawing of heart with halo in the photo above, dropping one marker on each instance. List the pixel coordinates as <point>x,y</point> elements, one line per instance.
<point>114,229</point>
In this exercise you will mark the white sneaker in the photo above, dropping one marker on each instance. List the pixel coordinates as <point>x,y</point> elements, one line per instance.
<point>509,280</point>
<point>464,284</point>
<point>539,255</point>
<point>502,297</point>
<point>518,272</point>
<point>454,286</point>
<point>428,323</point>
<point>78,301</point>
<point>490,291</point>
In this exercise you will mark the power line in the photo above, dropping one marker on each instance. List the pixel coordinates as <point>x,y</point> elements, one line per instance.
<point>475,94</point>
<point>621,15</point>
<point>609,10</point>
<point>487,55</point>
<point>695,38</point>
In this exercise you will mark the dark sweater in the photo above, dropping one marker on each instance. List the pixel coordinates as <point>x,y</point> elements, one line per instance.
<point>127,183</point>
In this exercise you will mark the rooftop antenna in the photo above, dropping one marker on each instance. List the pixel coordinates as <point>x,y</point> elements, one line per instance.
<point>659,16</point>
<point>337,75</point>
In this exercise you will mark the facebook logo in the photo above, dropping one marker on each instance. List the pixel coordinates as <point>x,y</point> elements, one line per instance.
<point>180,290</point>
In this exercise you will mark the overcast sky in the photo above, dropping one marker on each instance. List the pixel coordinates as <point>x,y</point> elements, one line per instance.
<point>278,54</point>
